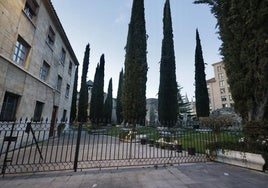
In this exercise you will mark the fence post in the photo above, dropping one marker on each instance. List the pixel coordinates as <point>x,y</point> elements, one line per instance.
<point>77,146</point>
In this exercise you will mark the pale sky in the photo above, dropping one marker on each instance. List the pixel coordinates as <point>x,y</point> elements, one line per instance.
<point>104,25</point>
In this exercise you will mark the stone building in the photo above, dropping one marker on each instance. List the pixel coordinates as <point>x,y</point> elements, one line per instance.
<point>218,89</point>
<point>37,62</point>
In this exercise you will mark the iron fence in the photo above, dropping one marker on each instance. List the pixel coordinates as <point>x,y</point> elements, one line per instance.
<point>27,147</point>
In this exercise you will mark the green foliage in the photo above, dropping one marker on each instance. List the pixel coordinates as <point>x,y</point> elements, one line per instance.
<point>60,128</point>
<point>83,95</point>
<point>119,110</point>
<point>167,94</point>
<point>183,104</point>
<point>201,92</point>
<point>134,87</point>
<point>108,105</point>
<point>74,98</point>
<point>97,98</point>
<point>256,131</point>
<point>243,27</point>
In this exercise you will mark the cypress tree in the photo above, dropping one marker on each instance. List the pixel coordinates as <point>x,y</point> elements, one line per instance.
<point>183,104</point>
<point>93,104</point>
<point>119,116</point>
<point>74,98</point>
<point>134,87</point>
<point>97,98</point>
<point>83,95</point>
<point>108,105</point>
<point>243,29</point>
<point>201,91</point>
<point>167,94</point>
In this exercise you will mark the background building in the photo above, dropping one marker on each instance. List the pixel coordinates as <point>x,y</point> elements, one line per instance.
<point>218,89</point>
<point>37,62</point>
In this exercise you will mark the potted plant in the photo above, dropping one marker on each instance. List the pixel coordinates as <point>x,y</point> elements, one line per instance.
<point>151,143</point>
<point>60,129</point>
<point>191,151</point>
<point>143,141</point>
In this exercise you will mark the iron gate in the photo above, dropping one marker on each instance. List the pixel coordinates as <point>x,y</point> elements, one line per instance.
<point>28,147</point>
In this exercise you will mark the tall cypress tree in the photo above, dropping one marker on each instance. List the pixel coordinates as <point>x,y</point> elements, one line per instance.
<point>108,105</point>
<point>201,91</point>
<point>74,98</point>
<point>134,87</point>
<point>96,103</point>
<point>83,95</point>
<point>119,115</point>
<point>92,112</point>
<point>167,94</point>
<point>243,29</point>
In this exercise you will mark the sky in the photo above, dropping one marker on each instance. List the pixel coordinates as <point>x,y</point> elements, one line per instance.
<point>104,25</point>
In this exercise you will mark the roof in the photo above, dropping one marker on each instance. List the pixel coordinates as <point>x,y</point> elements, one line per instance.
<point>211,80</point>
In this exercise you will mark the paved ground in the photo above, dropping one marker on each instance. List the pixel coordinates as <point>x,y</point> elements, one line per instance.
<point>202,175</point>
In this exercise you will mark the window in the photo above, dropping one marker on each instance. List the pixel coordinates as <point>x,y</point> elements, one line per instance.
<point>222,90</point>
<point>67,90</point>
<point>70,68</point>
<point>223,98</point>
<point>59,82</point>
<point>44,71</point>
<point>63,119</point>
<point>62,56</point>
<point>224,105</point>
<point>38,111</point>
<point>218,68</point>
<point>9,107</point>
<point>221,83</point>
<point>51,36</point>
<point>230,98</point>
<point>21,51</point>
<point>30,8</point>
<point>221,76</point>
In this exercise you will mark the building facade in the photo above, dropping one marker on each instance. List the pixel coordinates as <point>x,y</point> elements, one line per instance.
<point>218,89</point>
<point>37,62</point>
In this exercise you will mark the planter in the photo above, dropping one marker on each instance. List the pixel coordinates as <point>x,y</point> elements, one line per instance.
<point>242,159</point>
<point>169,146</point>
<point>143,141</point>
<point>151,143</point>
<point>178,148</point>
<point>191,151</point>
<point>60,129</point>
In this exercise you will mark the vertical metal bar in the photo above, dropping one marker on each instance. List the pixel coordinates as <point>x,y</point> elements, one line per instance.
<point>8,145</point>
<point>88,145</point>
<point>84,145</point>
<point>62,147</point>
<point>67,145</point>
<point>77,147</point>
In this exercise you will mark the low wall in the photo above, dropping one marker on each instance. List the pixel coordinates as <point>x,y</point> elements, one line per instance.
<point>238,158</point>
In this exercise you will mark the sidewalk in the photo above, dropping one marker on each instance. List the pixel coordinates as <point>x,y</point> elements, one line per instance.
<point>200,175</point>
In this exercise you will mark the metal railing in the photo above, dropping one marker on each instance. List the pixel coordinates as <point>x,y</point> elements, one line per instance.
<point>27,147</point>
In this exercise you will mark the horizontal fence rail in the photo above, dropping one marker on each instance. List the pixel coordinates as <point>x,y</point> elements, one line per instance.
<point>27,147</point>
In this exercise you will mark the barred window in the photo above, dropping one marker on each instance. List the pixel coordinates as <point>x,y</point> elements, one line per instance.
<point>38,111</point>
<point>51,36</point>
<point>67,90</point>
<point>59,82</point>
<point>21,51</point>
<point>44,71</point>
<point>30,8</point>
<point>70,68</point>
